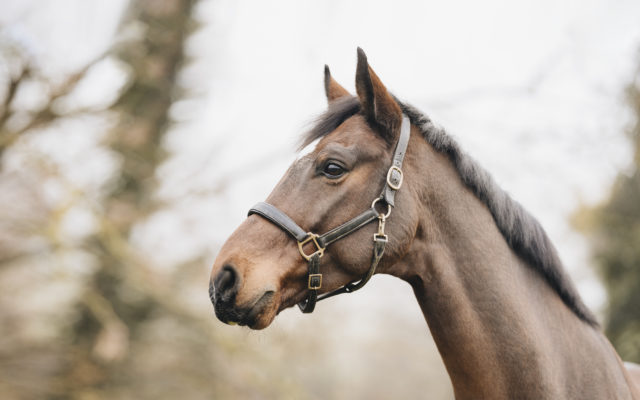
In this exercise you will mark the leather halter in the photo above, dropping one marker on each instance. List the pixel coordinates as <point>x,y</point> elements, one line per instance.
<point>387,197</point>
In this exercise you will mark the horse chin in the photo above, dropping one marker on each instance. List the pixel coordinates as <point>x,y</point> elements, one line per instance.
<point>268,307</point>
<point>262,313</point>
<point>262,322</point>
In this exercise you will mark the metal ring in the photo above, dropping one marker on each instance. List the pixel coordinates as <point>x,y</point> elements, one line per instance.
<point>373,205</point>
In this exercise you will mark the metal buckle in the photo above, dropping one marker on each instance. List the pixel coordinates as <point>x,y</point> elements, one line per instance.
<point>310,237</point>
<point>319,285</point>
<point>377,236</point>
<point>391,184</point>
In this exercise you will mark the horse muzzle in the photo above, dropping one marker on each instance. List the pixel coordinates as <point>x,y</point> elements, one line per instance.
<point>223,290</point>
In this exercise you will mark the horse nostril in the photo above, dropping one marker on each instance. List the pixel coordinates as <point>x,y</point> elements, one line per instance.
<point>226,282</point>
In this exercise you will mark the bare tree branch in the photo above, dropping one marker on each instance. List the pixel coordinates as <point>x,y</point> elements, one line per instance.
<point>46,114</point>
<point>12,88</point>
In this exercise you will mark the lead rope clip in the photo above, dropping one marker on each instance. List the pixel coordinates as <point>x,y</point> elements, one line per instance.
<point>380,235</point>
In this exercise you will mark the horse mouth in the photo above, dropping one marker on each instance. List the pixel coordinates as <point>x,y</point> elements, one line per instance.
<point>251,316</point>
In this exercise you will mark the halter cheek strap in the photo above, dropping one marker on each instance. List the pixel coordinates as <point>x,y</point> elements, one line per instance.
<point>394,174</point>
<point>392,184</point>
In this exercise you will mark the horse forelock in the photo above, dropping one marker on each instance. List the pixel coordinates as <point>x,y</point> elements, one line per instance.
<point>339,111</point>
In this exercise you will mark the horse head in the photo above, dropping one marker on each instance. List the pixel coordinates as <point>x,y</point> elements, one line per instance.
<point>260,270</point>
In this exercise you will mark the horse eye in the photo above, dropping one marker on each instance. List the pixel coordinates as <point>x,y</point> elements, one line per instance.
<point>333,170</point>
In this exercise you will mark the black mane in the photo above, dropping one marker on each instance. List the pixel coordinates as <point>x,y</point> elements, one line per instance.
<point>523,232</point>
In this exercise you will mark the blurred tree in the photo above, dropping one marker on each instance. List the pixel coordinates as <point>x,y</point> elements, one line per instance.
<point>121,327</point>
<point>614,232</point>
<point>121,295</point>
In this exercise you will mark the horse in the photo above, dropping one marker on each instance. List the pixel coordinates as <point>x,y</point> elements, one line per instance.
<point>506,318</point>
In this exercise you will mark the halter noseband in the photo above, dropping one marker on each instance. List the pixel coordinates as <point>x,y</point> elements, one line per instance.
<point>282,220</point>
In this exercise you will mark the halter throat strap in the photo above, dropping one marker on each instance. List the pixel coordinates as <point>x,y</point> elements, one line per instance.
<point>392,184</point>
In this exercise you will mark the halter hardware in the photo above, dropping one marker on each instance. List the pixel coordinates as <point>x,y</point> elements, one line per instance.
<point>395,180</point>
<point>315,281</point>
<point>392,184</point>
<point>381,215</point>
<point>311,237</point>
<point>380,235</point>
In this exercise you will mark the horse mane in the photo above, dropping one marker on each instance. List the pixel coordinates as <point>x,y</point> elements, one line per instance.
<point>521,230</point>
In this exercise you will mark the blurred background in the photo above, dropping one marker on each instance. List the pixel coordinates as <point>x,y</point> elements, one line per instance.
<point>134,135</point>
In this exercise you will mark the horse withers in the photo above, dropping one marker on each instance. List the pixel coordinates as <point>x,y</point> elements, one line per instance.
<point>385,190</point>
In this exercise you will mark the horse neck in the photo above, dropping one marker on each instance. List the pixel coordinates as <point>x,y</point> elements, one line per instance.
<point>501,330</point>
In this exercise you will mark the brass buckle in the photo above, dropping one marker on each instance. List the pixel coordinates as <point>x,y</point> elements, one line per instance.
<point>311,276</point>
<point>310,237</point>
<point>391,184</point>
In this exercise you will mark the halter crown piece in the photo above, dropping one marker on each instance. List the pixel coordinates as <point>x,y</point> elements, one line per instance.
<point>320,242</point>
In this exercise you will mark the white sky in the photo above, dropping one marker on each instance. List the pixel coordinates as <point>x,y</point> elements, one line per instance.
<point>531,89</point>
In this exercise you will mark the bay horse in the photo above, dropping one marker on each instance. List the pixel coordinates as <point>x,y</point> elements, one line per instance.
<point>505,317</point>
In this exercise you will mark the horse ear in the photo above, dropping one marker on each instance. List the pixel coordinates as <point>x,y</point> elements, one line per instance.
<point>379,107</point>
<point>332,89</point>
